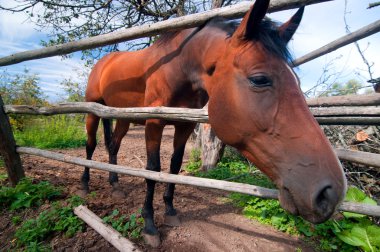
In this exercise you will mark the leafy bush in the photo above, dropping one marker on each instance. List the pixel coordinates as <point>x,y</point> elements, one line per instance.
<point>61,131</point>
<point>27,194</point>
<point>130,228</point>
<point>58,218</point>
<point>351,232</point>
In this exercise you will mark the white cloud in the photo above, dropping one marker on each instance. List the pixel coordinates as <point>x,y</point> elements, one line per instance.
<point>324,23</point>
<point>15,27</point>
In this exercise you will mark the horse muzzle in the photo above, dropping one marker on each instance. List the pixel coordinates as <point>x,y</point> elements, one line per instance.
<point>314,207</point>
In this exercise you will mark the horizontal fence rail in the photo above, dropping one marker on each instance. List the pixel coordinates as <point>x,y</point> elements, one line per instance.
<point>345,100</point>
<point>193,20</point>
<point>346,115</point>
<point>187,180</point>
<point>336,44</point>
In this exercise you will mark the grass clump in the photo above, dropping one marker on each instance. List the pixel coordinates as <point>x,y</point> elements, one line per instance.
<point>60,131</point>
<point>349,233</point>
<point>26,194</point>
<point>129,227</point>
<point>59,218</point>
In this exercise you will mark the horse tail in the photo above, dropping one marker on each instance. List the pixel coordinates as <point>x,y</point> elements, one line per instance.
<point>107,129</point>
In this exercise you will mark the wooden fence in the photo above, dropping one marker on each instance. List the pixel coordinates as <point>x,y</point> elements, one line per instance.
<point>347,111</point>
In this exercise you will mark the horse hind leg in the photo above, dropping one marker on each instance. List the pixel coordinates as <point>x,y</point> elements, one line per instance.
<point>182,133</point>
<point>113,146</point>
<point>92,123</point>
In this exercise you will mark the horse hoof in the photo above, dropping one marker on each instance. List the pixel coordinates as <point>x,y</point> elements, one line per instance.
<point>118,194</point>
<point>152,240</point>
<point>81,193</point>
<point>172,221</point>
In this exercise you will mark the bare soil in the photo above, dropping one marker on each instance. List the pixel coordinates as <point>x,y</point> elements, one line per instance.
<point>209,222</point>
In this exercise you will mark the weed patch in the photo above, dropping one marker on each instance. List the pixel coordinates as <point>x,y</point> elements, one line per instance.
<point>27,194</point>
<point>59,218</point>
<point>129,227</point>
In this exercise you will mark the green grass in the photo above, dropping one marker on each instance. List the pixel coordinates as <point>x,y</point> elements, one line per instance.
<point>347,234</point>
<point>61,131</point>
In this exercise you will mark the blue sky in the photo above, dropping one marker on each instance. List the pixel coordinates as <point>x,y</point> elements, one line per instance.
<point>321,24</point>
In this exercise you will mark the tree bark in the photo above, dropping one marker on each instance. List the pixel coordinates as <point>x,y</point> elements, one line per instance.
<point>8,149</point>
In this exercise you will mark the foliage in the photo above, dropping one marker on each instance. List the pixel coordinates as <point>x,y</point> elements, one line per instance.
<point>59,218</point>
<point>21,89</point>
<point>60,131</point>
<point>345,234</point>
<point>74,90</point>
<point>130,228</point>
<point>351,87</point>
<point>26,194</point>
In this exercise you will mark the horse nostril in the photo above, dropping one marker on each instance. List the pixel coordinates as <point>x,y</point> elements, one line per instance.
<point>326,200</point>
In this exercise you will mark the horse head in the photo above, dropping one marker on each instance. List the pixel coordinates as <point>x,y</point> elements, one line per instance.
<point>256,105</point>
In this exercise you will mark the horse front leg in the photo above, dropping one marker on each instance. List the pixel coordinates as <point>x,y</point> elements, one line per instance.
<point>153,136</point>
<point>182,133</point>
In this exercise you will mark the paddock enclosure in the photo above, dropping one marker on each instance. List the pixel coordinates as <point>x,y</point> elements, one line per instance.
<point>345,110</point>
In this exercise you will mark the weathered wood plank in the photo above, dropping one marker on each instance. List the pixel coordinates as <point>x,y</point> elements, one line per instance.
<point>336,44</point>
<point>360,115</point>
<point>177,114</point>
<point>345,100</point>
<point>107,232</point>
<point>186,180</point>
<point>145,30</point>
<point>346,111</point>
<point>360,157</point>
<point>8,149</point>
<point>348,120</point>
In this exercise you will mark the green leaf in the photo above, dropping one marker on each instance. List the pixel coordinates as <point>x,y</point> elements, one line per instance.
<point>356,195</point>
<point>373,232</point>
<point>348,238</point>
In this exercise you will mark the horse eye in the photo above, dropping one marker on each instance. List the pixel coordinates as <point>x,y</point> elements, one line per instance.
<point>260,81</point>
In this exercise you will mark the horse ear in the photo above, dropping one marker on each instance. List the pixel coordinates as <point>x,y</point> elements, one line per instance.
<point>250,24</point>
<point>287,30</point>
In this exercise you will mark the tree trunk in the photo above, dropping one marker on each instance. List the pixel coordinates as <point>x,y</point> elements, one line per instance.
<point>211,147</point>
<point>8,149</point>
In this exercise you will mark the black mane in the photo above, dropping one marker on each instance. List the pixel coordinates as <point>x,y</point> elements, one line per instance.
<point>268,36</point>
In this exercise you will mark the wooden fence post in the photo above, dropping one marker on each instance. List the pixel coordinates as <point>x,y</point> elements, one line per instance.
<point>8,148</point>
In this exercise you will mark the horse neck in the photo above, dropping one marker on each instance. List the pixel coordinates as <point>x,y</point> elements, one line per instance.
<point>202,50</point>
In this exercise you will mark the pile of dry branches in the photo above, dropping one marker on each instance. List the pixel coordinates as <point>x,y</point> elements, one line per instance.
<point>361,138</point>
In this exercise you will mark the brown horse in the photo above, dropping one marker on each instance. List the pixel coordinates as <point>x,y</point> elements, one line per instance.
<point>255,105</point>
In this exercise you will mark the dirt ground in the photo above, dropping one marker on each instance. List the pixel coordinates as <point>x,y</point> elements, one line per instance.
<point>208,222</point>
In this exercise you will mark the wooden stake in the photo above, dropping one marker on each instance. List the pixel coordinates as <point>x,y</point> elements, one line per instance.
<point>8,148</point>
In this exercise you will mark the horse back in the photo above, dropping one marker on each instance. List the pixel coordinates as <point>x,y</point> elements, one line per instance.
<point>117,80</point>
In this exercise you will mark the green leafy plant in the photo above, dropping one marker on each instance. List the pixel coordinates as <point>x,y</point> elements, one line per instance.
<point>27,194</point>
<point>361,232</point>
<point>59,218</point>
<point>129,227</point>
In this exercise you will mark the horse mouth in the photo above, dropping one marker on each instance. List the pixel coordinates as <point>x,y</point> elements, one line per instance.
<point>287,201</point>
